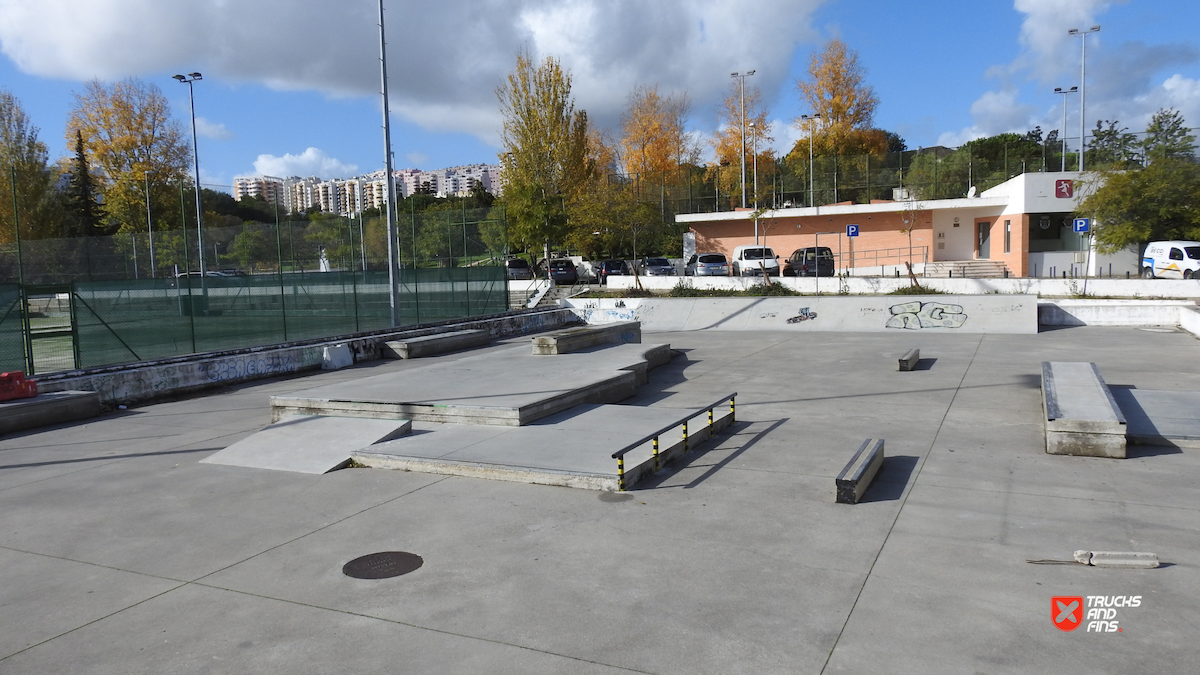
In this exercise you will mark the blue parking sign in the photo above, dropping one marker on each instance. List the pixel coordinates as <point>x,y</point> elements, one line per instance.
<point>851,230</point>
<point>1081,224</point>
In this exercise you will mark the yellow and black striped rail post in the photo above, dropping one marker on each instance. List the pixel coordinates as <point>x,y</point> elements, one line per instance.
<point>685,438</point>
<point>656,453</point>
<point>621,473</point>
<point>732,410</point>
<point>710,422</point>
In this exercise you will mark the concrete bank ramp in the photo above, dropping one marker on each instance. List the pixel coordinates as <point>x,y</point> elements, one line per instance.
<point>1168,418</point>
<point>308,444</point>
<point>508,387</point>
<point>848,313</point>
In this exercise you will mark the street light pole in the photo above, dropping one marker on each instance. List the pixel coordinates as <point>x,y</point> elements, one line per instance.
<point>754,151</point>
<point>149,222</point>
<point>188,80</point>
<point>1082,85</point>
<point>742,109</point>
<point>1064,92</point>
<point>392,242</point>
<point>811,118</point>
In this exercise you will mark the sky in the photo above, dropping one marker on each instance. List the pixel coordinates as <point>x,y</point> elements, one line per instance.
<point>291,87</point>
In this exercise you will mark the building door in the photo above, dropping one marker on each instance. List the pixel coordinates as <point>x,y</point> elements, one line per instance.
<point>984,249</point>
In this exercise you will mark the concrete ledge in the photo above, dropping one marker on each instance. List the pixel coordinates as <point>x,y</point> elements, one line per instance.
<point>429,345</point>
<point>576,339</point>
<point>1082,417</point>
<point>48,408</point>
<point>854,480</point>
<point>147,380</point>
<point>910,360</point>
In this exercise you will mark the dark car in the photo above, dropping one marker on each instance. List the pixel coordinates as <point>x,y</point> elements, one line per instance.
<point>518,269</point>
<point>612,267</point>
<point>562,271</point>
<point>810,262</point>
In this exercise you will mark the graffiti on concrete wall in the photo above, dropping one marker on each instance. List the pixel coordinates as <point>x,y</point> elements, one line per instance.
<point>237,368</point>
<point>804,315</point>
<point>918,315</point>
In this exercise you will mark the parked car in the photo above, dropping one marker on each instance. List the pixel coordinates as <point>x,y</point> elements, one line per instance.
<point>562,271</point>
<point>809,262</point>
<point>1176,259</point>
<point>707,265</point>
<point>657,267</point>
<point>612,267</point>
<point>753,260</point>
<point>518,269</point>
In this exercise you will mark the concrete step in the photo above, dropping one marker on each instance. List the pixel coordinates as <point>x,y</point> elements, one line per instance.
<point>966,269</point>
<point>48,408</point>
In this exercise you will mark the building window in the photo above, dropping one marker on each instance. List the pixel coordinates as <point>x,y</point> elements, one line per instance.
<point>1008,236</point>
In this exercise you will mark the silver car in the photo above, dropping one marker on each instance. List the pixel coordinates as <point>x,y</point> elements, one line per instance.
<point>657,267</point>
<point>707,265</point>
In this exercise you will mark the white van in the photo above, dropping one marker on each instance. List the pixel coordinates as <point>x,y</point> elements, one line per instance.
<point>1173,259</point>
<point>754,260</point>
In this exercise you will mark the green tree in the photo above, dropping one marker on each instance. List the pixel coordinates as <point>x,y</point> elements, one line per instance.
<point>24,156</point>
<point>250,247</point>
<point>544,149</point>
<point>84,216</point>
<point>1167,137</point>
<point>1112,146</point>
<point>1137,207</point>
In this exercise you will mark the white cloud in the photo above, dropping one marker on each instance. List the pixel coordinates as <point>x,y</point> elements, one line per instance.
<point>445,60</point>
<point>311,162</point>
<point>214,130</point>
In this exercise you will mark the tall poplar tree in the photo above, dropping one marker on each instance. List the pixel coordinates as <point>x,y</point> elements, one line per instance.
<point>836,89</point>
<point>543,150</point>
<point>23,157</point>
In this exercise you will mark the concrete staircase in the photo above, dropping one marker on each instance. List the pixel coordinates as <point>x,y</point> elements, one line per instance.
<point>966,269</point>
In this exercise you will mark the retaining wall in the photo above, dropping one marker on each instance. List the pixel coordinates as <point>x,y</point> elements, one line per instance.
<point>135,382</point>
<point>1119,288</point>
<point>1112,312</point>
<point>937,313</point>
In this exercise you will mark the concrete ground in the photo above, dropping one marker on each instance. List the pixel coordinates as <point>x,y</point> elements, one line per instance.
<point>121,553</point>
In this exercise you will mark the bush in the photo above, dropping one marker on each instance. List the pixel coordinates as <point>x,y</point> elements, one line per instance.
<point>768,287</point>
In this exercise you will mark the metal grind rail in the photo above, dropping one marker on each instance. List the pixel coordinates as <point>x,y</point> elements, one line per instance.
<point>682,422</point>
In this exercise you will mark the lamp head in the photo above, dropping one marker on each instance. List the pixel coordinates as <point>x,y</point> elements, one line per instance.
<point>733,74</point>
<point>180,78</point>
<point>195,76</point>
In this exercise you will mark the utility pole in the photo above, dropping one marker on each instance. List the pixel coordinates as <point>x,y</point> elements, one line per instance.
<point>393,253</point>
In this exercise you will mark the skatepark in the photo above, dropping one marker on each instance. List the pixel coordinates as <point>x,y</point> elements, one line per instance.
<point>127,549</point>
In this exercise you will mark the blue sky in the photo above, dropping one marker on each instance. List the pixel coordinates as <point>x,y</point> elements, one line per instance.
<point>290,85</point>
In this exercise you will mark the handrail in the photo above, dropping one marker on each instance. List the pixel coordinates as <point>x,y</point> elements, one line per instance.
<point>620,454</point>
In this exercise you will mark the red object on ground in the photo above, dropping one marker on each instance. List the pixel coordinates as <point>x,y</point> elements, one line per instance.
<point>14,385</point>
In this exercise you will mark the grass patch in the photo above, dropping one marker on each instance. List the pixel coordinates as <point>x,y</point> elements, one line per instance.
<point>916,290</point>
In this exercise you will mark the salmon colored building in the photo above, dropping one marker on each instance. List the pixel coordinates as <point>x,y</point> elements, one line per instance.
<point>1024,224</point>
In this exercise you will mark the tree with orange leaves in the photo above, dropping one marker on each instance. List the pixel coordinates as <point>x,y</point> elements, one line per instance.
<point>654,140</point>
<point>727,142</point>
<point>128,132</point>
<point>835,91</point>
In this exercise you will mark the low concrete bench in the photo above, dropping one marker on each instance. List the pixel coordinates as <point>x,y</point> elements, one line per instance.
<point>438,343</point>
<point>1082,418</point>
<point>574,339</point>
<point>48,408</point>
<point>854,480</point>
<point>910,360</point>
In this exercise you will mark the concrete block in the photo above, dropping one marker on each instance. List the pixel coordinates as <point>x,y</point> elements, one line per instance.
<point>854,480</point>
<point>1131,560</point>
<point>309,444</point>
<point>438,343</point>
<point>576,339</point>
<point>336,357</point>
<point>910,360</point>
<point>1082,417</point>
<point>48,408</point>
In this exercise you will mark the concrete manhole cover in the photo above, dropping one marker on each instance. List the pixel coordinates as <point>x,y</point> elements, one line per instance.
<point>382,565</point>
